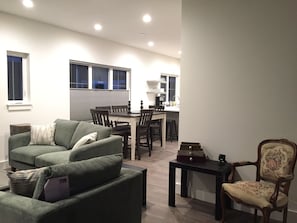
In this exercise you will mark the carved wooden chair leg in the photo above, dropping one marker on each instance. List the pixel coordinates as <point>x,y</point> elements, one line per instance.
<point>285,214</point>
<point>266,216</point>
<point>223,205</point>
<point>255,215</point>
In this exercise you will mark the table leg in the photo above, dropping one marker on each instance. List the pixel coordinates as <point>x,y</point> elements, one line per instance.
<point>218,210</point>
<point>171,194</point>
<point>133,138</point>
<point>164,132</point>
<point>184,183</point>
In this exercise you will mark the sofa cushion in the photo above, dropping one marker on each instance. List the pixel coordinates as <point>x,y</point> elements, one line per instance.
<point>23,182</point>
<point>85,128</point>
<point>43,134</point>
<point>27,154</point>
<point>82,175</point>
<point>64,132</point>
<point>85,140</point>
<point>53,158</point>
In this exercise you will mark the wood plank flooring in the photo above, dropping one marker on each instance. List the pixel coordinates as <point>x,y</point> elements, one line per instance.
<point>187,210</point>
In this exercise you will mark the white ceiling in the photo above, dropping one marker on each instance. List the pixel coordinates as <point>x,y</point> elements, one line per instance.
<point>121,20</point>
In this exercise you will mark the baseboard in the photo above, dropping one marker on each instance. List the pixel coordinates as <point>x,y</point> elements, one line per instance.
<point>4,164</point>
<point>210,198</point>
<point>292,216</point>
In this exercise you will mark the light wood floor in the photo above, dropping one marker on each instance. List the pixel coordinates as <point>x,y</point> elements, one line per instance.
<point>187,210</point>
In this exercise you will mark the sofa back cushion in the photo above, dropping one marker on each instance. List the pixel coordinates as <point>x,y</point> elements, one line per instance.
<point>64,132</point>
<point>82,175</point>
<point>85,128</point>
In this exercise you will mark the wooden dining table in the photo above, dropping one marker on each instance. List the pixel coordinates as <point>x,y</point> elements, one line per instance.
<point>133,119</point>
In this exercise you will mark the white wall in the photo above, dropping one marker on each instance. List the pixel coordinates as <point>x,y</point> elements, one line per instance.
<point>50,49</point>
<point>238,78</point>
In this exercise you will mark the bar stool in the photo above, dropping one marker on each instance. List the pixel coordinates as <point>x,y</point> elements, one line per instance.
<point>171,130</point>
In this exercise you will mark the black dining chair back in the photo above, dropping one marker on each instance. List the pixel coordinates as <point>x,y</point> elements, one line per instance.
<point>156,125</point>
<point>101,117</point>
<point>145,117</point>
<point>143,131</point>
<point>105,107</point>
<point>119,108</point>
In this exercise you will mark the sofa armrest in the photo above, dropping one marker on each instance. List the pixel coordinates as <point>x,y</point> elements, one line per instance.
<point>16,208</point>
<point>18,140</point>
<point>107,146</point>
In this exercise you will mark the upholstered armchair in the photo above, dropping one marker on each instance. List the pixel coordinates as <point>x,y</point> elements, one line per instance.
<point>275,171</point>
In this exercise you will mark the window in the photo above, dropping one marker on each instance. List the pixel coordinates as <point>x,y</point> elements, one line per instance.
<point>168,84</point>
<point>171,88</point>
<point>119,79</point>
<point>100,78</point>
<point>78,76</point>
<point>18,81</point>
<point>15,77</point>
<point>95,76</point>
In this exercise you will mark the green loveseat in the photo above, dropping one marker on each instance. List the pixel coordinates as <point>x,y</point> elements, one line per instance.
<point>23,155</point>
<point>100,191</point>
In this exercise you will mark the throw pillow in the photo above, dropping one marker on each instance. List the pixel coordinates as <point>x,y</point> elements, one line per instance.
<point>43,134</point>
<point>85,140</point>
<point>23,182</point>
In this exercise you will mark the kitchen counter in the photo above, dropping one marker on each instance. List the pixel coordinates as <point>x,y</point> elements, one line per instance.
<point>172,108</point>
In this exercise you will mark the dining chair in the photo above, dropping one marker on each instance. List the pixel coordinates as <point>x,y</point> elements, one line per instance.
<point>101,117</point>
<point>120,109</point>
<point>274,173</point>
<point>143,131</point>
<point>156,125</point>
<point>105,107</point>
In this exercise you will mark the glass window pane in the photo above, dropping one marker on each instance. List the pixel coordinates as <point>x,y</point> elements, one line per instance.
<point>119,79</point>
<point>172,83</point>
<point>78,76</point>
<point>100,78</point>
<point>15,78</point>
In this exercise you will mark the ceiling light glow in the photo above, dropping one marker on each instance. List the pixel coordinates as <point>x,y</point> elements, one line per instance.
<point>150,43</point>
<point>146,18</point>
<point>98,27</point>
<point>179,52</point>
<point>28,3</point>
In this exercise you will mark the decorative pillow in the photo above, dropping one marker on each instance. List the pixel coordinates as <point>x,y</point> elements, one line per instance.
<point>23,182</point>
<point>43,134</point>
<point>85,140</point>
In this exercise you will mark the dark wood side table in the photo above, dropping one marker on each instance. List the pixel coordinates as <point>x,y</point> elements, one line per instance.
<point>209,167</point>
<point>144,173</point>
<point>19,128</point>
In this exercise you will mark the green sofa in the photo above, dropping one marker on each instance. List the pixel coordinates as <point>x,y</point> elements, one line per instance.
<point>100,191</point>
<point>23,155</point>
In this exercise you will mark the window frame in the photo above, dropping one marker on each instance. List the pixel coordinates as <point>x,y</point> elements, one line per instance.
<point>167,84</point>
<point>110,75</point>
<point>24,103</point>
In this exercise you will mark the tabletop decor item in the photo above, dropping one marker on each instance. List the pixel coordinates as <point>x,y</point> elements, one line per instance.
<point>190,152</point>
<point>129,107</point>
<point>141,105</point>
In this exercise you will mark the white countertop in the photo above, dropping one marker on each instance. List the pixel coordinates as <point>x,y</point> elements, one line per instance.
<point>171,108</point>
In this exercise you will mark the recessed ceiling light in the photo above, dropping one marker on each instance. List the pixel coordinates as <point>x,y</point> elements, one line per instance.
<point>28,3</point>
<point>146,18</point>
<point>179,52</point>
<point>98,27</point>
<point>151,43</point>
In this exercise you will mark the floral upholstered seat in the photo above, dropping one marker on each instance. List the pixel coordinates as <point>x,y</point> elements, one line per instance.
<point>275,167</point>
